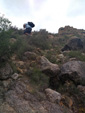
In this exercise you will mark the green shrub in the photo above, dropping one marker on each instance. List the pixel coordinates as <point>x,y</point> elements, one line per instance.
<point>40,41</point>
<point>13,67</point>
<point>19,47</point>
<point>76,54</point>
<point>38,78</point>
<point>5,34</point>
<point>4,23</point>
<point>51,56</point>
<point>71,90</point>
<point>60,41</point>
<point>4,44</point>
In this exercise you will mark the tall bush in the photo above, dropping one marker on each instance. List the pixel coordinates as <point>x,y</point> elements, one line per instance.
<point>4,37</point>
<point>4,23</point>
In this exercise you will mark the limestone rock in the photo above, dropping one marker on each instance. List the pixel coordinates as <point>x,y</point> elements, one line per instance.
<point>6,71</point>
<point>52,95</point>
<point>61,56</point>
<point>74,71</point>
<point>6,108</point>
<point>49,68</point>
<point>69,30</point>
<point>30,55</point>
<point>22,101</point>
<point>6,83</point>
<point>15,76</point>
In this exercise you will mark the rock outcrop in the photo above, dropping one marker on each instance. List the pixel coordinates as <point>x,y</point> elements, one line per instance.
<point>49,68</point>
<point>19,99</point>
<point>68,30</point>
<point>74,71</point>
<point>73,44</point>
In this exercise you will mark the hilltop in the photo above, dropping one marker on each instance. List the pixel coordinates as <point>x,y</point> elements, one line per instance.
<point>42,73</point>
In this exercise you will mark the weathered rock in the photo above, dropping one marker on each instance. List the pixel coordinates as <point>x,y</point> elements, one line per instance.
<point>30,55</point>
<point>74,71</point>
<point>69,30</point>
<point>15,76</point>
<point>22,101</point>
<point>6,83</point>
<point>81,88</point>
<point>49,68</point>
<point>60,58</point>
<point>55,108</point>
<point>6,108</point>
<point>72,59</point>
<point>52,95</point>
<point>67,101</point>
<point>73,44</point>
<point>19,104</point>
<point>20,64</point>
<point>20,70</point>
<point>6,71</point>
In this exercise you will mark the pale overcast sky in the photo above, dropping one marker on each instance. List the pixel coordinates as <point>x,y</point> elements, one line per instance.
<point>46,14</point>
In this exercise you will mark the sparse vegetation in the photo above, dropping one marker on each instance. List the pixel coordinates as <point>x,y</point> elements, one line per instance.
<point>40,41</point>
<point>5,24</point>
<point>51,55</point>
<point>71,90</point>
<point>43,45</point>
<point>76,54</point>
<point>38,78</point>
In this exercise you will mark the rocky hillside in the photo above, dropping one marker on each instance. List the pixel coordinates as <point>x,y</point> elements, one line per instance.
<point>42,73</point>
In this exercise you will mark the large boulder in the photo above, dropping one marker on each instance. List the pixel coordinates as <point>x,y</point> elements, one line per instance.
<point>74,71</point>
<point>73,44</point>
<point>49,68</point>
<point>6,71</point>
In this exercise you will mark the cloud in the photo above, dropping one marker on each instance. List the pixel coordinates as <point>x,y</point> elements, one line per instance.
<point>16,7</point>
<point>76,8</point>
<point>46,14</point>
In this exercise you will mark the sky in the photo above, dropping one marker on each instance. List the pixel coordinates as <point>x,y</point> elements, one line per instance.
<point>45,14</point>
